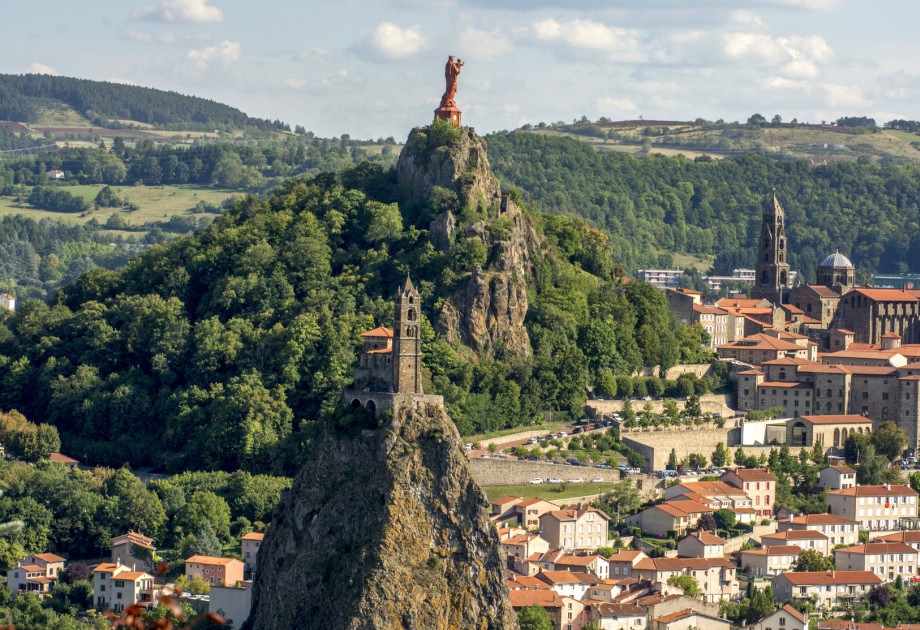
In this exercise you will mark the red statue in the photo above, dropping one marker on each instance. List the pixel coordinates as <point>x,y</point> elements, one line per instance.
<point>451,72</point>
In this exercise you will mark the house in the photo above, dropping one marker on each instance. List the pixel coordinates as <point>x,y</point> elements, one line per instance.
<point>55,174</point>
<point>220,571</point>
<point>803,539</point>
<point>678,516</point>
<point>7,302</point>
<point>838,529</point>
<point>548,599</point>
<point>250,544</point>
<point>758,484</point>
<point>117,586</point>
<point>785,618</point>
<point>233,603</point>
<point>592,564</point>
<point>134,550</point>
<point>60,458</point>
<point>623,562</point>
<point>888,560</point>
<point>837,478</point>
<point>908,537</point>
<point>689,619</point>
<point>701,544</point>
<point>608,616</point>
<point>828,588</point>
<point>502,510</point>
<point>608,591</point>
<point>830,431</point>
<point>874,507</point>
<point>770,560</point>
<point>580,528</point>
<point>35,574</point>
<point>716,576</point>
<point>567,583</point>
<point>521,547</point>
<point>716,494</point>
<point>761,347</point>
<point>529,512</point>
<point>574,613</point>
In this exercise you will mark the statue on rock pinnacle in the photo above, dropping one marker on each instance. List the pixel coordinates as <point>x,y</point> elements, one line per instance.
<point>448,109</point>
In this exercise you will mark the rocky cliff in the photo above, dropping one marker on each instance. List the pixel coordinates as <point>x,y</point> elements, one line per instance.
<point>488,306</point>
<point>384,529</point>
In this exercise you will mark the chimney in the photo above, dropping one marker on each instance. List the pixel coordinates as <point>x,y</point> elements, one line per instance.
<point>833,573</point>
<point>888,486</point>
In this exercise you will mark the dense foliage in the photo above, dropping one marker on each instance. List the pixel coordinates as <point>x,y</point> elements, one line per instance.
<point>656,206</point>
<point>103,102</point>
<point>220,350</point>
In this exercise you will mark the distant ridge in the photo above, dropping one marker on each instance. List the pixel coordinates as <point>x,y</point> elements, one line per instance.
<point>103,102</point>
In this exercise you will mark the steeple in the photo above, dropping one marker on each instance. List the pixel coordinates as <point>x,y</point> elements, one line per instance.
<point>772,270</point>
<point>407,349</point>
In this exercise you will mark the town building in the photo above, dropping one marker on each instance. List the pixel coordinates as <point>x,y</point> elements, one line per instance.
<point>622,564</point>
<point>888,560</point>
<point>908,537</point>
<point>59,458</point>
<point>839,530</point>
<point>117,586</point>
<point>134,550</point>
<point>716,576</point>
<point>214,570</point>
<point>583,527</point>
<point>661,278</point>
<point>250,544</point>
<point>874,507</point>
<point>769,560</point>
<point>678,516</point>
<point>547,599</point>
<point>771,274</point>
<point>233,603</point>
<point>701,544</point>
<point>758,484</point>
<point>7,302</point>
<point>608,616</point>
<point>529,511</point>
<point>827,588</point>
<point>804,539</point>
<point>785,618</point>
<point>837,478</point>
<point>35,574</point>
<point>830,431</point>
<point>689,619</point>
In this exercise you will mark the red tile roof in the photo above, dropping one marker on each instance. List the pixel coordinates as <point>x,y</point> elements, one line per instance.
<point>62,459</point>
<point>822,519</point>
<point>876,491</point>
<point>795,613</point>
<point>886,295</point>
<point>211,560</point>
<point>795,534</point>
<point>254,536</point>
<point>775,550</point>
<point>49,557</point>
<point>547,598</point>
<point>908,536</point>
<point>752,474</point>
<point>851,418</point>
<point>877,547</point>
<point>806,578</point>
<point>380,331</point>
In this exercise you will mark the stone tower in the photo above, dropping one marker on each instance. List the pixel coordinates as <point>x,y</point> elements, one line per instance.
<point>838,273</point>
<point>772,271</point>
<point>407,346</point>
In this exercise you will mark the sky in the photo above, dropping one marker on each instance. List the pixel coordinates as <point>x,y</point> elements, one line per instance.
<point>375,68</point>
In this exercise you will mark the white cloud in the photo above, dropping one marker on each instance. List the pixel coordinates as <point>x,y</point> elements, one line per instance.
<point>313,54</point>
<point>795,57</point>
<point>193,11</point>
<point>585,35</point>
<point>40,68</point>
<point>141,37</point>
<point>482,44</point>
<point>295,83</point>
<point>616,107</point>
<point>782,83</point>
<point>120,80</point>
<point>812,5</point>
<point>389,41</point>
<point>511,109</point>
<point>226,52</point>
<point>843,96</point>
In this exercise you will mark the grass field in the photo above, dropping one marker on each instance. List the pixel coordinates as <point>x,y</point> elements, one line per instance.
<point>156,203</point>
<point>547,491</point>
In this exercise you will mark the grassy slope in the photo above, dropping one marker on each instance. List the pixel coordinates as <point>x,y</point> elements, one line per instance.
<point>156,203</point>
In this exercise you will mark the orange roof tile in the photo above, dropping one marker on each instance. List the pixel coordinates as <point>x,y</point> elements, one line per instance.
<point>795,534</point>
<point>805,578</point>
<point>752,474</point>
<point>876,491</point>
<point>775,550</point>
<point>886,295</point>
<point>49,557</point>
<point>62,459</point>
<point>211,560</point>
<point>877,547</point>
<point>254,536</point>
<point>380,331</point>
<point>547,598</point>
<point>821,519</point>
<point>907,536</point>
<point>851,418</point>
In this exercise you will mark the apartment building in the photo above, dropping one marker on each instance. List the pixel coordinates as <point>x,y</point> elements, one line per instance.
<point>888,560</point>
<point>874,507</point>
<point>580,528</point>
<point>838,529</point>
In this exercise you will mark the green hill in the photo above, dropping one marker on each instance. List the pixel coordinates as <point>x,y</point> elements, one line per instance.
<point>23,97</point>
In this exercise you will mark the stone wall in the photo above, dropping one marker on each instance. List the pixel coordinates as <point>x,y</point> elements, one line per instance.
<point>709,403</point>
<point>655,446</point>
<point>510,472</point>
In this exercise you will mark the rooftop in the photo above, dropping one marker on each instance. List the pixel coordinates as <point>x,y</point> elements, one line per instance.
<point>806,578</point>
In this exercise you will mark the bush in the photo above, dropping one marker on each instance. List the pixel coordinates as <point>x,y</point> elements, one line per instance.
<point>442,133</point>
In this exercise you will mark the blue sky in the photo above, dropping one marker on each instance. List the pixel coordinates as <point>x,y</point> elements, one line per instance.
<point>374,68</point>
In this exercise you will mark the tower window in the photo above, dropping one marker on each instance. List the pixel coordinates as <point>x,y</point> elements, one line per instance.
<point>411,314</point>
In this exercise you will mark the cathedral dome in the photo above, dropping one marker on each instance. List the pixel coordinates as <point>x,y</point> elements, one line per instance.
<point>836,260</point>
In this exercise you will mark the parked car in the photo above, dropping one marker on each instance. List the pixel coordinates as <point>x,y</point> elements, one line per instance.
<point>532,441</point>
<point>536,480</point>
<point>468,447</point>
<point>597,480</point>
<point>576,480</point>
<point>571,461</point>
<point>554,480</point>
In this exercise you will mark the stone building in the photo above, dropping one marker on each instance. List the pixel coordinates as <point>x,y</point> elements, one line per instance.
<point>871,313</point>
<point>772,271</point>
<point>389,371</point>
<point>828,431</point>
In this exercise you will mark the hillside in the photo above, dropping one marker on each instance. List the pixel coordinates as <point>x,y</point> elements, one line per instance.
<point>656,209</point>
<point>23,97</point>
<point>818,143</point>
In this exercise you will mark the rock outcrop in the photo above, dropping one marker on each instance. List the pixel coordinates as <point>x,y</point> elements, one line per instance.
<point>488,308</point>
<point>384,529</point>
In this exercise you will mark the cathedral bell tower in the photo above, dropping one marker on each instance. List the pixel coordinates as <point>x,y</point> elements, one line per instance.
<point>407,346</point>
<point>772,271</point>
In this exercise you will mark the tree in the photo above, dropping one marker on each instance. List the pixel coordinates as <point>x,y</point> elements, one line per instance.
<point>889,440</point>
<point>740,458</point>
<point>687,583</point>
<point>812,560</point>
<point>871,467</point>
<point>696,460</point>
<point>707,523</point>
<point>854,446</point>
<point>76,571</point>
<point>880,596</point>
<point>777,120</point>
<point>757,120</point>
<point>672,460</point>
<point>207,543</point>
<point>203,506</point>
<point>720,455</point>
<point>534,618</point>
<point>725,518</point>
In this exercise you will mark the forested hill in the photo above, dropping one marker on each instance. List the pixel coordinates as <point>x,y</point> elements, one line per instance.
<point>223,349</point>
<point>654,205</point>
<point>102,102</point>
